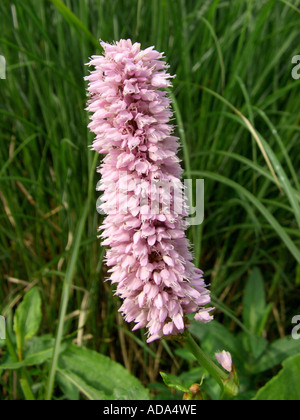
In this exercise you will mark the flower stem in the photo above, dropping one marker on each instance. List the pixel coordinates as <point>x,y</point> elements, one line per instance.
<point>218,374</point>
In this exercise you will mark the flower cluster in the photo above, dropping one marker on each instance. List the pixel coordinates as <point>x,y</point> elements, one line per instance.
<point>148,251</point>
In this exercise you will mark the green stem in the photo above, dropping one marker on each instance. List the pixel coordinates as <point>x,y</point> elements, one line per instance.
<point>229,383</point>
<point>218,374</point>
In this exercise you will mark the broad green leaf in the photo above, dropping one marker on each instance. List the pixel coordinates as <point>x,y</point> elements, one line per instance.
<point>258,345</point>
<point>68,388</point>
<point>90,392</point>
<point>32,360</point>
<point>185,354</point>
<point>285,386</point>
<point>86,368</point>
<point>173,382</point>
<point>276,353</point>
<point>264,319</point>
<point>193,376</point>
<point>254,303</point>
<point>36,352</point>
<point>28,317</point>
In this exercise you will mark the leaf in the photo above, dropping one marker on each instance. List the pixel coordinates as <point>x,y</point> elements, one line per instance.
<point>28,317</point>
<point>37,352</point>
<point>276,353</point>
<point>92,373</point>
<point>285,386</point>
<point>91,393</point>
<point>258,345</point>
<point>74,21</point>
<point>185,354</point>
<point>291,5</point>
<point>173,382</point>
<point>245,396</point>
<point>293,248</point>
<point>254,304</point>
<point>68,388</point>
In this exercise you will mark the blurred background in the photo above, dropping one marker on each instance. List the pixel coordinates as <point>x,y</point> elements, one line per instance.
<point>236,107</point>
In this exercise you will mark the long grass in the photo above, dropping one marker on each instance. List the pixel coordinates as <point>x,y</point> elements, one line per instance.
<point>237,113</point>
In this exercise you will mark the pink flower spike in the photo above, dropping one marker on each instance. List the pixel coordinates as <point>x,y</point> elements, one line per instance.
<point>148,252</point>
<point>225,360</point>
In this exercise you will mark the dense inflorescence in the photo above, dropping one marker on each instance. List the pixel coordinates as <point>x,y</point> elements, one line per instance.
<point>148,250</point>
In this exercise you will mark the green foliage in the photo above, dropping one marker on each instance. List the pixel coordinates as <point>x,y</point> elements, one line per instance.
<point>37,351</point>
<point>254,305</point>
<point>286,385</point>
<point>28,317</point>
<point>173,382</point>
<point>276,353</point>
<point>80,371</point>
<point>98,377</point>
<point>252,354</point>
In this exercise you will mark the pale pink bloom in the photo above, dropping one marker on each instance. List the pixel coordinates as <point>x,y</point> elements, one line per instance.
<point>225,360</point>
<point>148,252</point>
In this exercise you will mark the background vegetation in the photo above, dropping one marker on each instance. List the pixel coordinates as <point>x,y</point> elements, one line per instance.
<point>237,112</point>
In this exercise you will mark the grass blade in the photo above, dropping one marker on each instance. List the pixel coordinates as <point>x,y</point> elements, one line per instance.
<point>73,20</point>
<point>265,212</point>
